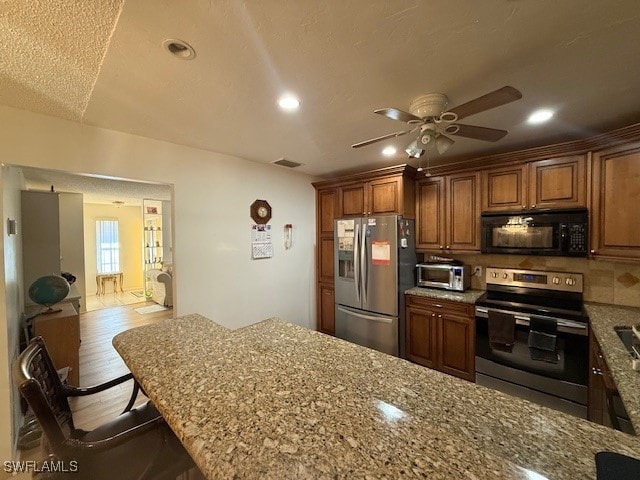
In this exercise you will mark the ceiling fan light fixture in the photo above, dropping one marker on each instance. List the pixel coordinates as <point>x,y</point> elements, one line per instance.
<point>443,143</point>
<point>413,150</point>
<point>449,117</point>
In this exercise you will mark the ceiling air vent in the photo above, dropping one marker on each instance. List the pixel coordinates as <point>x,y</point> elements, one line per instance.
<point>286,163</point>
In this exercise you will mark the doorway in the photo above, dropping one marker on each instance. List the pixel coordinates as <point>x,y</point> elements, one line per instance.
<point>107,257</point>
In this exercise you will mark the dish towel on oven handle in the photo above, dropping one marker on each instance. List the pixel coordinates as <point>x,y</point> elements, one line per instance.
<point>543,338</point>
<point>502,331</point>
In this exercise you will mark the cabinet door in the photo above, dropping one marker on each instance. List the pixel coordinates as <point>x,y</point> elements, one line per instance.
<point>327,210</point>
<point>504,188</point>
<point>430,212</point>
<point>463,212</point>
<point>456,346</point>
<point>420,332</point>
<point>325,260</point>
<point>384,196</point>
<point>615,215</point>
<point>596,406</point>
<point>326,309</point>
<point>558,182</point>
<point>352,200</point>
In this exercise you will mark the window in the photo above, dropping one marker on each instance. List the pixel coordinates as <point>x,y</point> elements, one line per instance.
<point>107,246</point>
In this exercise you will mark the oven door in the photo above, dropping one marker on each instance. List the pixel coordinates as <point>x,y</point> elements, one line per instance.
<point>564,377</point>
<point>521,234</point>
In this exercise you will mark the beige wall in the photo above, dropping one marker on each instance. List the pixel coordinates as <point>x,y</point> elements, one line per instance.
<point>130,235</point>
<point>11,305</point>
<point>213,271</point>
<point>604,281</point>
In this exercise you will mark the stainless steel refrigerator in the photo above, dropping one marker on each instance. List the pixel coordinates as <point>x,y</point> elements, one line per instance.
<point>375,262</point>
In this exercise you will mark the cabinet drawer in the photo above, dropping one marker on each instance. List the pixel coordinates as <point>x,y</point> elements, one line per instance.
<point>451,308</point>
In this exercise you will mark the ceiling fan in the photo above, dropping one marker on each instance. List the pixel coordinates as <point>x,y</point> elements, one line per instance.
<point>434,122</point>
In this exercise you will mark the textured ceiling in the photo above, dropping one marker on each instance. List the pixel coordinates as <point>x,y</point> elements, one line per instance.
<point>52,51</point>
<point>343,59</point>
<point>95,189</point>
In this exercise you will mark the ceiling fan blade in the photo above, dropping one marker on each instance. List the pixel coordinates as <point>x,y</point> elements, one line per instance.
<point>491,100</point>
<point>379,139</point>
<point>395,114</point>
<point>480,133</point>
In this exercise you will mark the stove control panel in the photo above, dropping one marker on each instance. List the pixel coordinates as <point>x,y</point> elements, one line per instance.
<point>562,281</point>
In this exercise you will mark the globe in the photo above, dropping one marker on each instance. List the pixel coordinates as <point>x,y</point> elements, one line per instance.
<point>48,291</point>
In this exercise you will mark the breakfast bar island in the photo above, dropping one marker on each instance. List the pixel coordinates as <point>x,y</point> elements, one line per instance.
<point>275,400</point>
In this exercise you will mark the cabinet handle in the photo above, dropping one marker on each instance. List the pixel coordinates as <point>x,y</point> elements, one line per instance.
<point>533,206</point>
<point>596,371</point>
<point>433,314</point>
<point>441,247</point>
<point>593,252</point>
<point>437,305</point>
<point>439,316</point>
<point>524,207</point>
<point>448,247</point>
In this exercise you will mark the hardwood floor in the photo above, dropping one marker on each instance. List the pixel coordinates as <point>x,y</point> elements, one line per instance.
<point>99,361</point>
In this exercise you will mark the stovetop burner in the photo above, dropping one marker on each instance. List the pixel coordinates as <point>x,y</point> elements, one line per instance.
<point>554,294</point>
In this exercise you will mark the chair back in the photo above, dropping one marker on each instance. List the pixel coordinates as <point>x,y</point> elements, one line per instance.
<point>37,379</point>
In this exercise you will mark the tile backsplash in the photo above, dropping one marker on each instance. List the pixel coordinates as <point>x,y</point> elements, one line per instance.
<point>604,281</point>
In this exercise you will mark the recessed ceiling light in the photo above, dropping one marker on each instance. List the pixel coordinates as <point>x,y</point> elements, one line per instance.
<point>288,102</point>
<point>389,151</point>
<point>179,48</point>
<point>540,116</point>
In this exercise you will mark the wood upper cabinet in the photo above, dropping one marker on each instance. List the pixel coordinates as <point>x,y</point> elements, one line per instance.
<point>552,183</point>
<point>615,216</point>
<point>463,212</point>
<point>430,214</point>
<point>504,188</point>
<point>448,213</point>
<point>327,208</point>
<point>380,196</point>
<point>441,335</point>
<point>558,182</point>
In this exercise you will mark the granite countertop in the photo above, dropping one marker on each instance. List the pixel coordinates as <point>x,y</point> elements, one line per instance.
<point>274,400</point>
<point>603,318</point>
<point>468,296</point>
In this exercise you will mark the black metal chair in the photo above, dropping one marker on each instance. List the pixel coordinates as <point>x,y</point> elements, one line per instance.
<point>137,444</point>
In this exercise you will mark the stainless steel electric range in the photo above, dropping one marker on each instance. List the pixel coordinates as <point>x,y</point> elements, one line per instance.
<point>532,337</point>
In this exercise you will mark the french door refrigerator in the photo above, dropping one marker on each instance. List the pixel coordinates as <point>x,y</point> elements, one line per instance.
<point>375,262</point>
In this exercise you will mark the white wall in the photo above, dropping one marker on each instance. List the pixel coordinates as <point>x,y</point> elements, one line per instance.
<point>11,303</point>
<point>214,273</point>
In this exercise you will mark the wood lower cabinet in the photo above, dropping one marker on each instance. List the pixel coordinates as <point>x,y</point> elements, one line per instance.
<point>615,216</point>
<point>448,213</point>
<point>441,335</point>
<point>326,309</point>
<point>605,406</point>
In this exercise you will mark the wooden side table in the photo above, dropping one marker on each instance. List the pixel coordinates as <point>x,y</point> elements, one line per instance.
<point>103,278</point>
<point>61,334</point>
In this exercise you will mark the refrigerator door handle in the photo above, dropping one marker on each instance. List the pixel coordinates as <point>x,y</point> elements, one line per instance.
<point>364,263</point>
<point>365,317</point>
<point>356,262</point>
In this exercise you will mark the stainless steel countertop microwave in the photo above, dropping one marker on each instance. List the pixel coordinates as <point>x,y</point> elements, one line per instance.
<point>443,275</point>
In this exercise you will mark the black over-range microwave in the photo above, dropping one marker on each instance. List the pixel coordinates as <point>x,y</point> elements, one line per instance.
<point>536,232</point>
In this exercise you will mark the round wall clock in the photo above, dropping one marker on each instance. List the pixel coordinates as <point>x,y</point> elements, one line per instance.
<point>260,211</point>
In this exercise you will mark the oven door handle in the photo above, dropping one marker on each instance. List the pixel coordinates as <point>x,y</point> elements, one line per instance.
<point>563,325</point>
